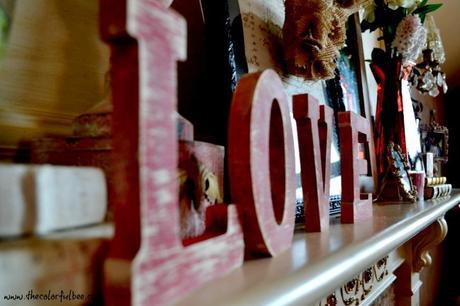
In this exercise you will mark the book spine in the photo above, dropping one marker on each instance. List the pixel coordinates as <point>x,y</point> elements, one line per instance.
<point>41,199</point>
<point>433,181</point>
<point>438,191</point>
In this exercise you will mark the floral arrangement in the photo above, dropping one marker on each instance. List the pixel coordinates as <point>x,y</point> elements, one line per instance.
<point>404,34</point>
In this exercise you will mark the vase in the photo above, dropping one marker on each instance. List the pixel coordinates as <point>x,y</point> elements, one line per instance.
<point>394,119</point>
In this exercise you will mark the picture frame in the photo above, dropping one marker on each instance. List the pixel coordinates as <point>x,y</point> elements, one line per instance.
<point>262,22</point>
<point>435,139</point>
<point>348,91</point>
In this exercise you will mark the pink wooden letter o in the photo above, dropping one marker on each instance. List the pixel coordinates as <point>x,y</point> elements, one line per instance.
<point>261,163</point>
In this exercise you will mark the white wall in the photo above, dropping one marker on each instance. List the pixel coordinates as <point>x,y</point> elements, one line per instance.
<point>448,20</point>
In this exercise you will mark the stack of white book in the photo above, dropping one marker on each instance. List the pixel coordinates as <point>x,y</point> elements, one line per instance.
<point>52,236</point>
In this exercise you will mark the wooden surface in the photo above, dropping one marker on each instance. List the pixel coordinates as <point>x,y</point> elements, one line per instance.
<point>66,260</point>
<point>53,69</point>
<point>149,264</point>
<point>432,278</point>
<point>353,131</point>
<point>314,132</point>
<point>318,263</point>
<point>261,163</point>
<point>124,187</point>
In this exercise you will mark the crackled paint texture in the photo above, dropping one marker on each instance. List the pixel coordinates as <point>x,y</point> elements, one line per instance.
<point>353,129</point>
<point>144,79</point>
<point>261,163</point>
<point>314,132</point>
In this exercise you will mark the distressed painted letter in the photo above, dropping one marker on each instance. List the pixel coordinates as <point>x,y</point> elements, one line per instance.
<point>353,130</point>
<point>148,263</point>
<point>261,163</point>
<point>314,126</point>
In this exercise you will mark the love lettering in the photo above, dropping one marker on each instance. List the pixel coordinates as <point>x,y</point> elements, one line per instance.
<point>148,263</point>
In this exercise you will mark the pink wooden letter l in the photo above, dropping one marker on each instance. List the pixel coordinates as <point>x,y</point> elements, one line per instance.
<point>314,126</point>
<point>163,270</point>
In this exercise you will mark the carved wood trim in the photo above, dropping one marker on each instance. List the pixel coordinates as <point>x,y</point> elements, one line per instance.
<point>363,288</point>
<point>425,241</point>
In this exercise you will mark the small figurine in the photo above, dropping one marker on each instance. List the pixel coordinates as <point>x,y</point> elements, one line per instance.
<point>397,184</point>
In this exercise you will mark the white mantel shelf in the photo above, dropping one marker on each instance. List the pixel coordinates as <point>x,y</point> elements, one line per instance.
<point>318,263</point>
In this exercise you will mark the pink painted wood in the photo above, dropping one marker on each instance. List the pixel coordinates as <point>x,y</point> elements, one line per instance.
<point>314,133</point>
<point>261,163</point>
<point>124,185</point>
<point>144,76</point>
<point>353,130</point>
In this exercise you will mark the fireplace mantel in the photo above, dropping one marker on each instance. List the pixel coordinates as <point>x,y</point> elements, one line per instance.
<point>397,239</point>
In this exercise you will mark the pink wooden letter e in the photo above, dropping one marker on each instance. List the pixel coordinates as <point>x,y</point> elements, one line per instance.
<point>314,126</point>
<point>353,130</point>
<point>261,163</point>
<point>164,271</point>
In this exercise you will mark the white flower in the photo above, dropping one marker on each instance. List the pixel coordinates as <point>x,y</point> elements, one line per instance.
<point>395,4</point>
<point>410,38</point>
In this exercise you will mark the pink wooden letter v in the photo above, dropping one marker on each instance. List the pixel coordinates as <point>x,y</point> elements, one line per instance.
<point>314,126</point>
<point>163,270</point>
<point>261,163</point>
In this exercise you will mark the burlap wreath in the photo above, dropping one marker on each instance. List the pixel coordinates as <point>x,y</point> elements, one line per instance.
<point>313,33</point>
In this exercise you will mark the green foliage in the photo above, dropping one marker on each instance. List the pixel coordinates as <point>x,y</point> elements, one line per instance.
<point>387,19</point>
<point>427,8</point>
<point>421,11</point>
<point>423,3</point>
